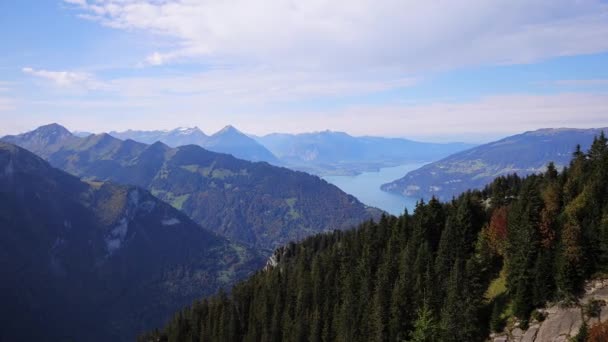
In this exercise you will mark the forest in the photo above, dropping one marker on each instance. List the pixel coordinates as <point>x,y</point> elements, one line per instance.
<point>452,271</point>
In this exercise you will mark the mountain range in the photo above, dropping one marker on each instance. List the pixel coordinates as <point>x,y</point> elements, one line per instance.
<point>228,140</point>
<point>331,153</point>
<point>257,204</point>
<point>98,261</point>
<point>525,153</point>
<point>322,153</point>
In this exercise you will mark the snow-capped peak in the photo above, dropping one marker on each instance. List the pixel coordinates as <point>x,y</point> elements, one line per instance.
<point>186,130</point>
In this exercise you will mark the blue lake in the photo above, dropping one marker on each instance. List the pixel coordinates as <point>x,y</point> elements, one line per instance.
<point>366,187</point>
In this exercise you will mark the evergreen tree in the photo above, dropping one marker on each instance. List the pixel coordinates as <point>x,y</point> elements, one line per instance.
<point>426,329</point>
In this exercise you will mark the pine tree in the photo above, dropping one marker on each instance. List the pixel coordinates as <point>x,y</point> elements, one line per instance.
<point>450,313</point>
<point>426,329</point>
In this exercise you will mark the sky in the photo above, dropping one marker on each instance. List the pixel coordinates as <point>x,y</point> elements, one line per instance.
<point>430,70</point>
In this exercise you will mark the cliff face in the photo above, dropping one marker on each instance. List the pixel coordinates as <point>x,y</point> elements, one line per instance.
<point>561,322</point>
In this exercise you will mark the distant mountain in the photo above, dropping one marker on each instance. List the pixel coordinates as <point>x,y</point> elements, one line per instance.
<point>176,137</point>
<point>232,141</point>
<point>255,203</point>
<point>45,140</point>
<point>81,134</point>
<point>523,154</point>
<point>331,152</point>
<point>97,261</point>
<point>228,140</point>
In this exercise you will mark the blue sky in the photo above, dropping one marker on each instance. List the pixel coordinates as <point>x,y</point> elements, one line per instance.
<point>432,70</point>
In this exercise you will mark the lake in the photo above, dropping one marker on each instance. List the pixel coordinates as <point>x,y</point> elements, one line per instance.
<point>366,187</point>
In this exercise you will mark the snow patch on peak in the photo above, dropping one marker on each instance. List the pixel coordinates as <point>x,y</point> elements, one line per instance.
<point>170,222</point>
<point>185,130</point>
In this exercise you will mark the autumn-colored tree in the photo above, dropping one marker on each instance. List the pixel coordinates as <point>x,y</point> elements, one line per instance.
<point>598,333</point>
<point>497,230</point>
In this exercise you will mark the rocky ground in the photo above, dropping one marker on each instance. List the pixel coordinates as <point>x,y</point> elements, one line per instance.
<point>561,322</point>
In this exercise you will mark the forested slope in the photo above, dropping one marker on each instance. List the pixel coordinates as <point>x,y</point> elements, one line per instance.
<point>448,272</point>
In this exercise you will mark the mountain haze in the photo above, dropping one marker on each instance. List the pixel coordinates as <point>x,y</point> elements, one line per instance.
<point>330,152</point>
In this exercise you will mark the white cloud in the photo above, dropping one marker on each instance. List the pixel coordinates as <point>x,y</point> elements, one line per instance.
<point>65,78</point>
<point>407,35</point>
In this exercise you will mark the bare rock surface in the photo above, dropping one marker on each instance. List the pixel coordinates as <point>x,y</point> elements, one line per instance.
<point>561,323</point>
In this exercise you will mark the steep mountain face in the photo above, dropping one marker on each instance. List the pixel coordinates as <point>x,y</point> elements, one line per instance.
<point>339,153</point>
<point>228,140</point>
<point>98,261</point>
<point>254,203</point>
<point>523,154</point>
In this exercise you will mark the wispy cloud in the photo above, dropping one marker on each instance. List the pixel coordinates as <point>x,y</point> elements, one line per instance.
<point>259,85</point>
<point>240,85</point>
<point>582,83</point>
<point>408,35</point>
<point>65,78</point>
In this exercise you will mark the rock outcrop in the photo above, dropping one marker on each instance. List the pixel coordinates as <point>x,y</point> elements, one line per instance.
<point>561,322</point>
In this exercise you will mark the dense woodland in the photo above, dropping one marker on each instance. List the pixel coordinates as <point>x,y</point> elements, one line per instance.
<point>425,276</point>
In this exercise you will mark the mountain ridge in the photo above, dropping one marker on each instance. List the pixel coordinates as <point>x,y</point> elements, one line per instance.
<point>228,140</point>
<point>523,153</point>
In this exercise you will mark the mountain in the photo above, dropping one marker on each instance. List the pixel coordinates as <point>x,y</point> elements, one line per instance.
<point>228,140</point>
<point>254,203</point>
<point>523,154</point>
<point>330,152</point>
<point>45,139</point>
<point>96,261</point>
<point>515,255</point>
<point>232,141</point>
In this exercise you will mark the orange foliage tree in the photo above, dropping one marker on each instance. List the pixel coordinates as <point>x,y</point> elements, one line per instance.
<point>598,333</point>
